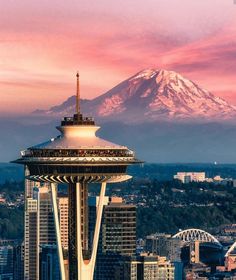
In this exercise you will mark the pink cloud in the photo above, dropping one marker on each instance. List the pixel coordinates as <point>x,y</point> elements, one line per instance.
<point>42,46</point>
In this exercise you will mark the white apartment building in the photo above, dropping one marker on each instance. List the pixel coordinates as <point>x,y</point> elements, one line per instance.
<point>187,177</point>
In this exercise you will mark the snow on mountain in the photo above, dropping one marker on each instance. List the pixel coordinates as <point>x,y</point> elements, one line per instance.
<point>153,95</point>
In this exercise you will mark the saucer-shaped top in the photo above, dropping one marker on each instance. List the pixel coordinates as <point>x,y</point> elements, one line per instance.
<point>77,143</point>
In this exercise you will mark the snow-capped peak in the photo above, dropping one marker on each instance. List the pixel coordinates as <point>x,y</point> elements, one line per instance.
<point>145,74</point>
<point>156,94</point>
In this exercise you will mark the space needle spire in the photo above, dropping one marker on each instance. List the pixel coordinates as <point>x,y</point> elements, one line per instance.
<point>77,95</point>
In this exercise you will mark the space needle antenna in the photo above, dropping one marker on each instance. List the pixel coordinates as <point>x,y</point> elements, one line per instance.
<point>77,95</point>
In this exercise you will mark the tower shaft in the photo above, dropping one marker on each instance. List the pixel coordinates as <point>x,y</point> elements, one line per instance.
<point>82,188</point>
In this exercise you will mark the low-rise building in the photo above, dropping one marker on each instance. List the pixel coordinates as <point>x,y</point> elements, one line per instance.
<point>144,267</point>
<point>230,262</point>
<point>187,177</point>
<point>164,245</point>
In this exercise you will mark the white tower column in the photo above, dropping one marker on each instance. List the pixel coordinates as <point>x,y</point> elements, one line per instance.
<point>57,228</point>
<point>86,269</point>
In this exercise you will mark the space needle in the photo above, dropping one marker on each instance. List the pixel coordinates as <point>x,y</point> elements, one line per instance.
<point>77,157</point>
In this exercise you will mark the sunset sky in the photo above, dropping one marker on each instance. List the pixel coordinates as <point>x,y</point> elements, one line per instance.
<point>43,44</point>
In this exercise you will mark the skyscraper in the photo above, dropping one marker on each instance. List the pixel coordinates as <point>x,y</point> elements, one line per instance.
<point>49,264</point>
<point>45,216</point>
<point>78,157</point>
<point>117,236</point>
<point>119,228</point>
<point>30,185</point>
<point>18,262</point>
<point>31,240</point>
<point>62,204</point>
<point>39,229</point>
<point>31,249</point>
<point>6,260</point>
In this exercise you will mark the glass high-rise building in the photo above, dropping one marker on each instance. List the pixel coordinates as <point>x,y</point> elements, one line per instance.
<point>39,228</point>
<point>6,260</point>
<point>49,263</point>
<point>18,262</point>
<point>117,236</point>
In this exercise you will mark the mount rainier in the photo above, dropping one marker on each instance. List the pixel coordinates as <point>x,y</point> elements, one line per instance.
<point>152,95</point>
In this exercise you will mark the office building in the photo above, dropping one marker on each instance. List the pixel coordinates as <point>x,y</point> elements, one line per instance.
<point>6,260</point>
<point>18,262</point>
<point>144,267</point>
<point>164,245</point>
<point>45,216</point>
<point>31,239</point>
<point>118,228</point>
<point>49,264</point>
<point>62,204</point>
<point>39,229</point>
<point>230,261</point>
<point>117,236</point>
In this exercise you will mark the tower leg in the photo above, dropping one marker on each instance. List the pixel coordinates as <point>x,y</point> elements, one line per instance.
<point>86,268</point>
<point>57,227</point>
<point>72,232</point>
<point>83,189</point>
<point>97,228</point>
<point>80,260</point>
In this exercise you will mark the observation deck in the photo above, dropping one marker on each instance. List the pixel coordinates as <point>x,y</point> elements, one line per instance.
<point>77,154</point>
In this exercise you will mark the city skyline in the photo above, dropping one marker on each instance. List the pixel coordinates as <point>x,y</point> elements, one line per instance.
<point>41,44</point>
